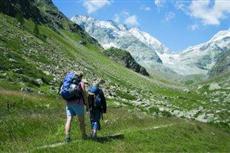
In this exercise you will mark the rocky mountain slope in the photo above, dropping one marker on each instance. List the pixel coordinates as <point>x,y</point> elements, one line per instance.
<point>34,57</point>
<point>110,34</point>
<point>42,12</point>
<point>149,52</point>
<point>222,65</point>
<point>123,57</point>
<point>46,13</point>
<point>201,58</point>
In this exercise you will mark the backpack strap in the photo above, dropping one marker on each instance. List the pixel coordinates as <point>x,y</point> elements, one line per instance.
<point>91,99</point>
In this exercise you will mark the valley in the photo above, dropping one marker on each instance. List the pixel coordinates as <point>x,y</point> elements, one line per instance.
<point>37,50</point>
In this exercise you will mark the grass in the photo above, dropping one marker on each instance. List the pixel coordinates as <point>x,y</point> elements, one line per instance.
<point>14,60</point>
<point>61,52</point>
<point>29,121</point>
<point>64,44</point>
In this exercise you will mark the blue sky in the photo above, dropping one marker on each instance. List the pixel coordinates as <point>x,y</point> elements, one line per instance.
<point>178,24</point>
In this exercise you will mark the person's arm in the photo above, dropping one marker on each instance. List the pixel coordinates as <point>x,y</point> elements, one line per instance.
<point>85,95</point>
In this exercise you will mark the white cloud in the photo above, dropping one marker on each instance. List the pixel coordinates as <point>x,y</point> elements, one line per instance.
<point>169,16</point>
<point>210,12</point>
<point>131,20</point>
<point>159,3</point>
<point>181,5</point>
<point>126,18</point>
<point>94,5</point>
<point>145,8</point>
<point>194,27</point>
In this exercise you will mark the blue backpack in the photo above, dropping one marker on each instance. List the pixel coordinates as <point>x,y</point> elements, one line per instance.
<point>97,99</point>
<point>71,88</point>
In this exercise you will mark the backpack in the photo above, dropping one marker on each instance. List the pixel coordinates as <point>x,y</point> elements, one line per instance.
<point>95,98</point>
<point>71,88</point>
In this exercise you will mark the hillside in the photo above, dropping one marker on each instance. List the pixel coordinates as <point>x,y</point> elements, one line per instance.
<point>222,65</point>
<point>34,57</point>
<point>41,12</point>
<point>38,65</point>
<point>123,57</point>
<point>110,34</point>
<point>194,60</point>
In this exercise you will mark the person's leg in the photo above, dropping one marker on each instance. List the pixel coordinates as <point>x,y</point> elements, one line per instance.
<point>81,120</point>
<point>98,118</point>
<point>94,129</point>
<point>96,114</point>
<point>92,123</point>
<point>68,128</point>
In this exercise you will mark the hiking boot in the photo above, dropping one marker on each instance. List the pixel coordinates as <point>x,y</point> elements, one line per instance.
<point>84,136</point>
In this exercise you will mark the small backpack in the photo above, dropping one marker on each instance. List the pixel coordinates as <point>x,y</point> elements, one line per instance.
<point>71,87</point>
<point>94,93</point>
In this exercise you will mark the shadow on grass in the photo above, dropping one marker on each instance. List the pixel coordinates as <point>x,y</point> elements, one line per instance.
<point>108,138</point>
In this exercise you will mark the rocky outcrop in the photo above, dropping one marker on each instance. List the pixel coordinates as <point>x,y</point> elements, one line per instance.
<point>222,65</point>
<point>123,57</point>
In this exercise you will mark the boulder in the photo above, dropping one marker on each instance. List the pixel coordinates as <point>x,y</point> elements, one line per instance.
<point>186,90</point>
<point>27,89</point>
<point>38,82</point>
<point>210,117</point>
<point>199,87</point>
<point>201,118</point>
<point>214,86</point>
<point>46,72</point>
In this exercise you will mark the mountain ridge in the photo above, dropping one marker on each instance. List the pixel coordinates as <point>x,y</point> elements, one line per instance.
<point>118,36</point>
<point>197,59</point>
<point>31,68</point>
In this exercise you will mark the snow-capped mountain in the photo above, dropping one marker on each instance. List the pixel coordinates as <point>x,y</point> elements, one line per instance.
<point>143,47</point>
<point>150,52</point>
<point>198,59</point>
<point>149,40</point>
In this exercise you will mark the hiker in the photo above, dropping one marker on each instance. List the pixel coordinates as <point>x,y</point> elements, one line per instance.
<point>74,93</point>
<point>97,106</point>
